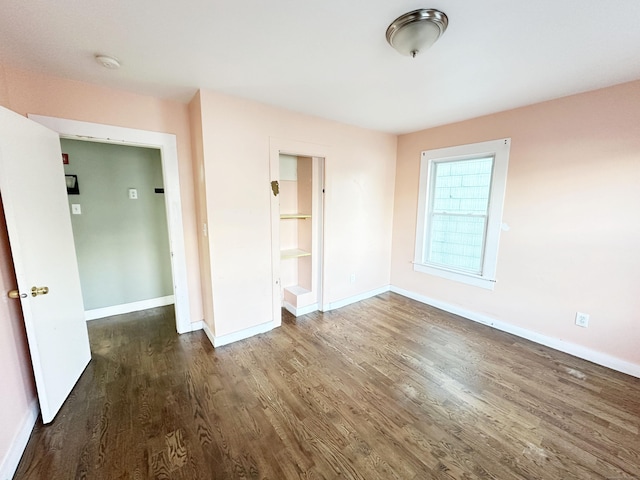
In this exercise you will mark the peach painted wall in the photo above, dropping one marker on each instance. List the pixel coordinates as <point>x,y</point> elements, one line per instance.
<point>28,92</point>
<point>358,205</point>
<point>197,147</point>
<point>289,232</point>
<point>572,205</point>
<point>305,227</point>
<point>16,376</point>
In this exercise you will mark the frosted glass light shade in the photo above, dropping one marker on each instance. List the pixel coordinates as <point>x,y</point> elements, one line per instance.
<point>416,31</point>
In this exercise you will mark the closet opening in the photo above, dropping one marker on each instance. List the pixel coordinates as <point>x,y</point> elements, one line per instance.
<point>300,226</point>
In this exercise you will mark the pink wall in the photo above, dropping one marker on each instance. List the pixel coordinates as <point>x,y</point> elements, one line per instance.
<point>358,204</point>
<point>289,231</point>
<point>200,197</point>
<point>572,205</point>
<point>304,202</point>
<point>28,92</point>
<point>16,376</point>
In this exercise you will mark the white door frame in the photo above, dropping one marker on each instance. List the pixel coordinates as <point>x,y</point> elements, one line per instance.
<point>166,143</point>
<point>279,146</point>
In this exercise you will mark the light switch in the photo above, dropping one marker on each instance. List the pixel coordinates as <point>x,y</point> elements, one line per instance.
<point>75,209</point>
<point>133,194</point>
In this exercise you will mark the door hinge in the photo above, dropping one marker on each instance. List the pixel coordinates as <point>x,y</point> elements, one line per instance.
<point>275,188</point>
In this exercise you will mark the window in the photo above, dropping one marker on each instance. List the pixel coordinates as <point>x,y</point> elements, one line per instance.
<point>460,211</point>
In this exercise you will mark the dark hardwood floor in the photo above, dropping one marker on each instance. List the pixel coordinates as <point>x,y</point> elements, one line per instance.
<point>384,389</point>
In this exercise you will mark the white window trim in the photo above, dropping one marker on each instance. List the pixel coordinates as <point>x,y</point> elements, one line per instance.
<point>499,149</point>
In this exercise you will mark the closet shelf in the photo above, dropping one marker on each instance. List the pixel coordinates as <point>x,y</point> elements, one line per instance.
<point>285,216</point>
<point>297,290</point>
<point>294,253</point>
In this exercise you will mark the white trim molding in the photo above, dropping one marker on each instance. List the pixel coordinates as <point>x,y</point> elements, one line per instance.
<point>579,351</point>
<point>431,160</point>
<point>167,144</point>
<point>128,308</point>
<point>195,326</point>
<point>9,464</point>
<point>237,336</point>
<point>208,332</point>
<point>297,312</point>
<point>356,298</point>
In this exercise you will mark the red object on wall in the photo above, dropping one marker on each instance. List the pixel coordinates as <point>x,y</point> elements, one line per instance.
<point>65,158</point>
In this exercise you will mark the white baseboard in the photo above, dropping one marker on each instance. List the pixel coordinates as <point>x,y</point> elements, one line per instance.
<point>579,351</point>
<point>194,326</point>
<point>209,333</point>
<point>219,341</point>
<point>356,298</point>
<point>10,462</point>
<point>300,311</point>
<point>128,307</point>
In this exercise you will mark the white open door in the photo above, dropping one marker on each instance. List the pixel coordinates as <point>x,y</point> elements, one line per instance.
<point>34,195</point>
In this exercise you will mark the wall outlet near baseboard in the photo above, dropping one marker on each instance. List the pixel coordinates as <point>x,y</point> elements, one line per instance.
<point>582,319</point>
<point>352,278</point>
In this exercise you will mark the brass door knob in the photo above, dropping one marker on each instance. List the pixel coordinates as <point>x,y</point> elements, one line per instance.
<point>17,294</point>
<point>35,291</point>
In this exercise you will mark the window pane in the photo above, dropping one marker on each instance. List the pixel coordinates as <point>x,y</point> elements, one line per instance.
<point>458,214</point>
<point>462,186</point>
<point>457,242</point>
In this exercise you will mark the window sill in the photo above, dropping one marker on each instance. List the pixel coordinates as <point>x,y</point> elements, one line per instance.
<point>469,279</point>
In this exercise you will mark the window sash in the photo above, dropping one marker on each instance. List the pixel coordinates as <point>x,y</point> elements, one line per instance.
<point>498,150</point>
<point>451,250</point>
<point>456,260</point>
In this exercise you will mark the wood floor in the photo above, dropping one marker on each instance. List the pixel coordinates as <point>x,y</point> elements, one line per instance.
<point>384,389</point>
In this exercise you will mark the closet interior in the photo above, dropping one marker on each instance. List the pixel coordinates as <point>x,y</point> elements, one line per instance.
<point>300,195</point>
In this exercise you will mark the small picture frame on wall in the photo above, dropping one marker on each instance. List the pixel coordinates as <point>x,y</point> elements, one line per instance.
<point>72,185</point>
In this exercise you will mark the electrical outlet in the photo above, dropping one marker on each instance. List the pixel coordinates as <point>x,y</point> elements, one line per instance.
<point>352,278</point>
<point>582,319</point>
<point>133,194</point>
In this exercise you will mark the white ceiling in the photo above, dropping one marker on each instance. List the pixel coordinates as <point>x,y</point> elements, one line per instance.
<point>330,58</point>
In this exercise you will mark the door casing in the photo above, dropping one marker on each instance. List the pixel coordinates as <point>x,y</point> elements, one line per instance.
<point>279,146</point>
<point>166,143</point>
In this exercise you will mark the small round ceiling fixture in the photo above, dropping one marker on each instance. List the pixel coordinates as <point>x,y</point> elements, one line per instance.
<point>107,61</point>
<point>416,31</point>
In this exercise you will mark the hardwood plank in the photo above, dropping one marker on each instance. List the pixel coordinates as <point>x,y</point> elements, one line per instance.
<point>384,389</point>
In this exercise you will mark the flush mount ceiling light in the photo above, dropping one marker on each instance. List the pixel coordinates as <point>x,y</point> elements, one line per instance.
<point>416,31</point>
<point>108,62</point>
